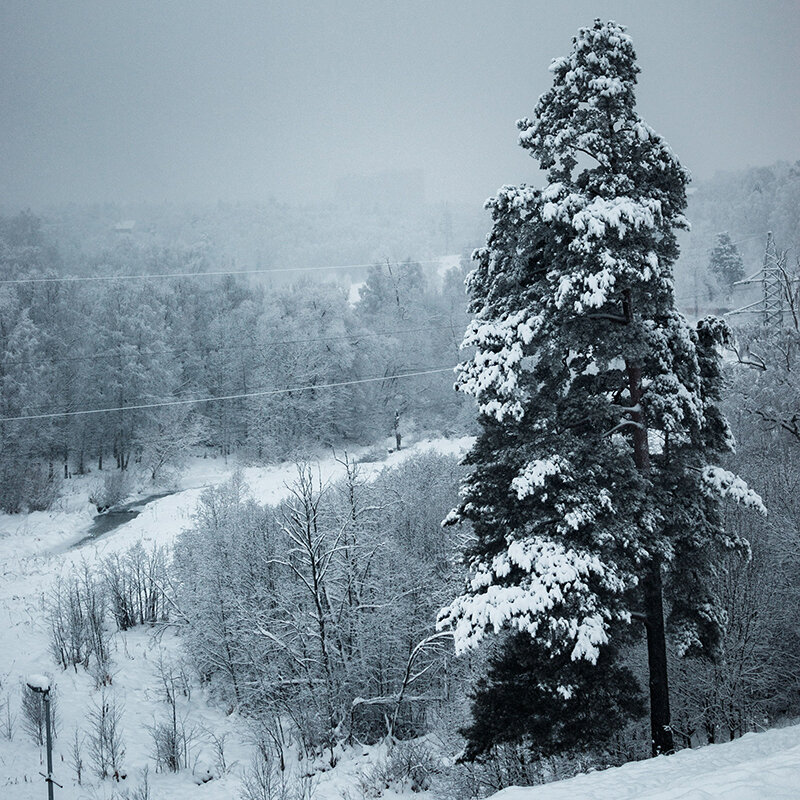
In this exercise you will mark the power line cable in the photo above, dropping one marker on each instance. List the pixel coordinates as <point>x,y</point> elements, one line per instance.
<point>739,241</point>
<point>222,398</point>
<point>186,351</point>
<point>214,273</point>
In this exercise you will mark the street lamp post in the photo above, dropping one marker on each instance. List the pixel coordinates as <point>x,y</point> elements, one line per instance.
<point>41,685</point>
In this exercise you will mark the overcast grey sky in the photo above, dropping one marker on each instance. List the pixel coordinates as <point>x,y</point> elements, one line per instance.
<point>200,101</point>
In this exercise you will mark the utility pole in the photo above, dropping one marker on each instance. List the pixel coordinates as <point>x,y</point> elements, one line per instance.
<point>397,436</point>
<point>772,287</point>
<point>41,685</point>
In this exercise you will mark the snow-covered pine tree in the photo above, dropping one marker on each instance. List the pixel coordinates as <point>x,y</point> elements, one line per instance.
<point>592,492</point>
<point>538,698</point>
<point>726,262</point>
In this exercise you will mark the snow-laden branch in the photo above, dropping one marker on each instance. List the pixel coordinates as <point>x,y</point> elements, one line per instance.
<point>534,474</point>
<point>716,480</point>
<point>551,573</point>
<point>491,375</point>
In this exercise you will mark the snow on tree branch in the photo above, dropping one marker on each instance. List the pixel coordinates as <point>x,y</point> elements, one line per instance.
<point>725,484</point>
<point>533,476</point>
<point>491,376</point>
<point>551,574</point>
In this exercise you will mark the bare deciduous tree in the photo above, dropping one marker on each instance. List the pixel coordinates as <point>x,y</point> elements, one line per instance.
<point>105,740</point>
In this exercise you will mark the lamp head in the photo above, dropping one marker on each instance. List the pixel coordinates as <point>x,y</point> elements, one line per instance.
<point>39,683</point>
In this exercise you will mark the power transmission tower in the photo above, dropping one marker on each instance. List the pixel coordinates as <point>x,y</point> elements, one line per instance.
<point>770,307</point>
<point>772,285</point>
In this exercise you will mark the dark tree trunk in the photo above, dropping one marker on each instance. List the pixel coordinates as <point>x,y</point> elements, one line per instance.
<point>660,723</point>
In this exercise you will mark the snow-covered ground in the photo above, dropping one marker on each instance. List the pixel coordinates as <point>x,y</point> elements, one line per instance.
<point>36,551</point>
<point>759,766</point>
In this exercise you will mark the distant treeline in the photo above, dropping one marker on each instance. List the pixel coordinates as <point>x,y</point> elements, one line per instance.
<point>298,233</point>
<point>746,204</point>
<point>85,345</point>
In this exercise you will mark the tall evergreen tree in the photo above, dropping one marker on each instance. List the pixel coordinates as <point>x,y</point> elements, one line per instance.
<point>533,696</point>
<point>726,262</point>
<point>592,492</point>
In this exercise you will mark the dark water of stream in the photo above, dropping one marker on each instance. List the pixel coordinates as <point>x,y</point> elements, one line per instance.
<point>118,515</point>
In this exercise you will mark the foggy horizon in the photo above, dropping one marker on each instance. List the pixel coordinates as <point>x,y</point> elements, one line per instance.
<point>200,102</point>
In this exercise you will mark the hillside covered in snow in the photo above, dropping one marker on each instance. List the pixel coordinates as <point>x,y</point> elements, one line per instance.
<point>42,551</point>
<point>755,767</point>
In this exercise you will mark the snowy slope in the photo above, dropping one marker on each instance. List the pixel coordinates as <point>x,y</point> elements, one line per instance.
<point>755,767</point>
<point>36,552</point>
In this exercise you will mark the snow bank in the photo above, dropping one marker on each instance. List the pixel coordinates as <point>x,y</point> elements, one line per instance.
<point>757,766</point>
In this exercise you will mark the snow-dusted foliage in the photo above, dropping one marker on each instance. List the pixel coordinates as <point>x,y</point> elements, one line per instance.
<point>597,401</point>
<point>550,572</point>
<point>320,610</point>
<point>534,475</point>
<point>726,484</point>
<point>498,352</point>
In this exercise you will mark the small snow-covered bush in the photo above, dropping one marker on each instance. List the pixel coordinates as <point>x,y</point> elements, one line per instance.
<point>76,615</point>
<point>506,765</point>
<point>412,764</point>
<point>172,739</point>
<point>406,766</point>
<point>265,780</point>
<point>77,746</point>
<point>116,486</point>
<point>221,764</point>
<point>142,790</point>
<point>172,743</point>
<point>42,490</point>
<point>65,616</point>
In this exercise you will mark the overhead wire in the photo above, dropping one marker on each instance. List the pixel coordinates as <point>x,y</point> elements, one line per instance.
<point>223,398</point>
<point>114,351</point>
<point>210,274</point>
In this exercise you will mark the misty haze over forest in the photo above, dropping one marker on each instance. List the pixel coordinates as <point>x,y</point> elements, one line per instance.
<point>195,102</point>
<point>324,476</point>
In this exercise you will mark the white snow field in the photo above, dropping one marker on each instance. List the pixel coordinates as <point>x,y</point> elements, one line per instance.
<point>36,552</point>
<point>759,766</point>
